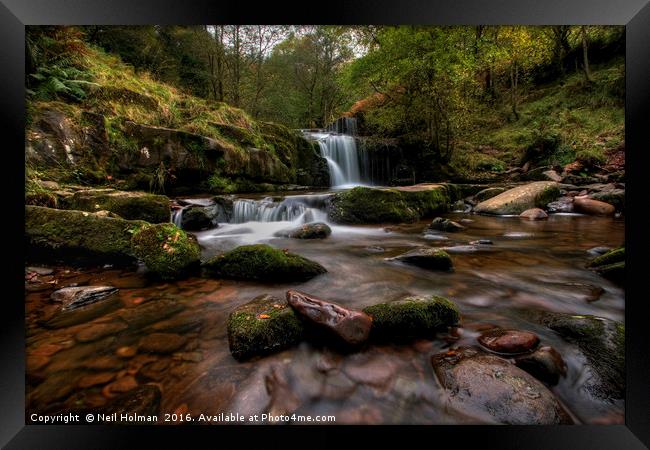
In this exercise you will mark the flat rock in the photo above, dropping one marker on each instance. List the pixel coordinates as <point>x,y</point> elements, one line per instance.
<point>534,214</point>
<point>161,342</point>
<point>517,200</point>
<point>76,297</point>
<point>351,326</point>
<point>590,206</point>
<point>492,390</point>
<point>508,341</point>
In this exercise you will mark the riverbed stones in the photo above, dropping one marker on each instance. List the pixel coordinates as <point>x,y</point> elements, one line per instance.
<point>350,326</point>
<point>587,205</point>
<point>491,389</point>
<point>161,343</point>
<point>411,317</point>
<point>263,263</point>
<point>315,230</point>
<point>427,258</point>
<point>262,326</point>
<point>150,312</point>
<point>508,341</point>
<point>128,205</point>
<point>545,364</point>
<point>94,332</point>
<point>601,341</point>
<point>442,224</point>
<point>196,218</point>
<point>610,265</point>
<point>517,200</point>
<point>78,237</point>
<point>167,251</point>
<point>534,214</point>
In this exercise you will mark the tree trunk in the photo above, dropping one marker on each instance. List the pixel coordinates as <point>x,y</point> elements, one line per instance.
<point>585,56</point>
<point>513,88</point>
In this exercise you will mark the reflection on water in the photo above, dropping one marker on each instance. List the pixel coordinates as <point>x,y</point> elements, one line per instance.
<point>530,265</point>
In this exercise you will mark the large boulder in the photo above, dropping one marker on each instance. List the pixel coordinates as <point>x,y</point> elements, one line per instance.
<point>488,193</point>
<point>196,218</point>
<point>128,205</point>
<point>316,230</point>
<point>264,325</point>
<point>601,341</point>
<point>350,326</point>
<point>412,317</point>
<point>492,390</point>
<point>590,206</point>
<point>262,262</point>
<point>427,258</point>
<point>610,265</point>
<point>78,237</point>
<point>166,250</point>
<point>517,200</point>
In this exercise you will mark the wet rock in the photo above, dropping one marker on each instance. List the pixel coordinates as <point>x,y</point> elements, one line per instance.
<point>411,317</point>
<point>100,330</point>
<point>552,175</point>
<point>351,326</point>
<point>95,379</point>
<point>602,341</point>
<point>150,312</point>
<point>466,221</point>
<point>143,400</point>
<point>155,370</point>
<point>62,317</point>
<point>534,214</point>
<point>166,250</point>
<point>196,218</point>
<point>442,224</point>
<point>615,197</point>
<point>375,372</point>
<point>39,270</point>
<point>126,352</point>
<point>597,251</point>
<point>435,237</point>
<point>545,364</point>
<point>264,263</point>
<point>129,205</point>
<point>78,237</point>
<point>610,265</point>
<point>488,193</point>
<point>461,249</point>
<point>120,386</point>
<point>517,200</point>
<point>316,230</point>
<point>482,242</point>
<point>264,325</point>
<point>561,205</point>
<point>76,297</point>
<point>55,387</point>
<point>283,399</point>
<point>492,390</point>
<point>104,362</point>
<point>508,341</point>
<point>427,258</point>
<point>589,206</point>
<point>161,343</point>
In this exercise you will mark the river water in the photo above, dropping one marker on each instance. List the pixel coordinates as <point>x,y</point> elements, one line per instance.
<point>531,264</point>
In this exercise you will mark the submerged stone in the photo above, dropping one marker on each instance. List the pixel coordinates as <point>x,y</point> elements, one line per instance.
<point>508,341</point>
<point>76,297</point>
<point>427,258</point>
<point>262,326</point>
<point>264,263</point>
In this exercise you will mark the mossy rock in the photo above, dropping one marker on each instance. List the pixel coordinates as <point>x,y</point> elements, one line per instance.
<point>413,317</point>
<point>166,250</point>
<point>610,265</point>
<point>264,263</point>
<point>427,258</point>
<point>365,205</point>
<point>78,237</point>
<point>601,340</point>
<point>129,205</point>
<point>262,326</point>
<point>196,218</point>
<point>611,257</point>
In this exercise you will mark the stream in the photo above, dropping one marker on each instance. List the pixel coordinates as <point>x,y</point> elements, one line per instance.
<point>531,264</point>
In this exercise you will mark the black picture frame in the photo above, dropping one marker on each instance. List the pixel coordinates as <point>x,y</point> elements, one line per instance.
<point>634,14</point>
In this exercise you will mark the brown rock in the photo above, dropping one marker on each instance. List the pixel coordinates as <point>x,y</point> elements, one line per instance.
<point>590,206</point>
<point>161,342</point>
<point>126,352</point>
<point>534,214</point>
<point>98,331</point>
<point>508,341</point>
<point>104,362</point>
<point>352,326</point>
<point>545,364</point>
<point>121,385</point>
<point>492,390</point>
<point>283,399</point>
<point>95,379</point>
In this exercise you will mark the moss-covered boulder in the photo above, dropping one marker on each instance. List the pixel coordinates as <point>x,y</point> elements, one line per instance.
<point>610,265</point>
<point>78,237</point>
<point>601,341</point>
<point>264,325</point>
<point>264,263</point>
<point>166,250</point>
<point>129,205</point>
<point>196,218</point>
<point>363,205</point>
<point>316,230</point>
<point>412,317</point>
<point>427,258</point>
<point>517,200</point>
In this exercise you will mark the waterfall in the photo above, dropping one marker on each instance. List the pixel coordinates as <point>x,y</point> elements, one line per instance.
<point>338,146</point>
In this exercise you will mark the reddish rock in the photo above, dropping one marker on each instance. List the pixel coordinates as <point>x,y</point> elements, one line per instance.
<point>98,331</point>
<point>534,214</point>
<point>120,385</point>
<point>508,341</point>
<point>126,352</point>
<point>590,206</point>
<point>352,326</point>
<point>95,379</point>
<point>161,342</point>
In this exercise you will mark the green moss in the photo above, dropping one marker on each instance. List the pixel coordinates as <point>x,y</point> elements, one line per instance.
<point>264,263</point>
<point>130,205</point>
<point>548,195</point>
<point>365,205</point>
<point>591,157</point>
<point>412,318</point>
<point>612,256</point>
<point>166,250</point>
<point>78,237</point>
<point>262,326</point>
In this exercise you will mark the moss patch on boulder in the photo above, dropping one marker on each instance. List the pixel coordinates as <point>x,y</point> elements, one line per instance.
<point>129,205</point>
<point>610,265</point>
<point>412,317</point>
<point>78,237</point>
<point>264,263</point>
<point>166,250</point>
<point>264,325</point>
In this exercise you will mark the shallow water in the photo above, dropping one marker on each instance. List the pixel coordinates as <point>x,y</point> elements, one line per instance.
<point>530,265</point>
